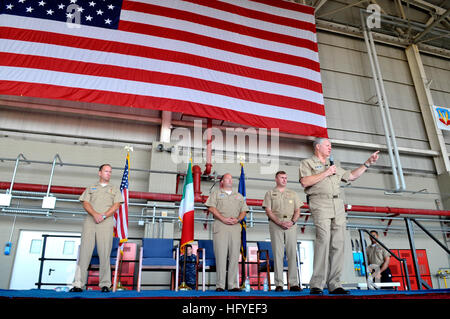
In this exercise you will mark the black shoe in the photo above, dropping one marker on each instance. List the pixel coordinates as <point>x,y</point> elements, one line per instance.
<point>76,289</point>
<point>220,289</point>
<point>316,291</point>
<point>339,291</point>
<point>278,288</point>
<point>295,288</point>
<point>105,289</point>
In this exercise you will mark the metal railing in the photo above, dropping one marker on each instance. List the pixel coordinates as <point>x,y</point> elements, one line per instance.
<point>410,231</point>
<point>404,268</point>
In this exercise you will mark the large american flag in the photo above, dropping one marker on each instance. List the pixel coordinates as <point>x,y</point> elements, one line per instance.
<point>250,62</point>
<point>121,215</point>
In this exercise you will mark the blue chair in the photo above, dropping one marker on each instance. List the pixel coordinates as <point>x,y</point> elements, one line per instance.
<point>95,260</point>
<point>206,260</point>
<point>158,254</point>
<point>114,261</point>
<point>265,260</point>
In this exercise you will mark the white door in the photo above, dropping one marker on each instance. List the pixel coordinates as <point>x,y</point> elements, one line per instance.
<point>307,259</point>
<point>26,268</point>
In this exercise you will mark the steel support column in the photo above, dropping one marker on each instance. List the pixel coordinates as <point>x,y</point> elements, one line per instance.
<point>426,103</point>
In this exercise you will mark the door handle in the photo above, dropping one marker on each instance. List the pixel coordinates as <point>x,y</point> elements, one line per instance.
<point>50,271</point>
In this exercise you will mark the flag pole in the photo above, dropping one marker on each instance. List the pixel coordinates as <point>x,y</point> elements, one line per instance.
<point>119,285</point>
<point>183,285</point>
<point>242,256</point>
<point>243,272</point>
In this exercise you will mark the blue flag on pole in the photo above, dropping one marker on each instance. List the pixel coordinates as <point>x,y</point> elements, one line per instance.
<point>241,190</point>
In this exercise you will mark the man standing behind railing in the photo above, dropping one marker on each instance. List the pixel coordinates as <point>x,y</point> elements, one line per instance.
<point>100,202</point>
<point>378,260</point>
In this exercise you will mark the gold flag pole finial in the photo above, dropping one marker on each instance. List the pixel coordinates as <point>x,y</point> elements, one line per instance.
<point>241,159</point>
<point>128,148</point>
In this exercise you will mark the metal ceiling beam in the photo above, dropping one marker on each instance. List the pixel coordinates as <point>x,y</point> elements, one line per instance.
<point>319,5</point>
<point>432,9</point>
<point>341,9</point>
<point>431,26</point>
<point>427,6</point>
<point>400,9</point>
<point>425,99</point>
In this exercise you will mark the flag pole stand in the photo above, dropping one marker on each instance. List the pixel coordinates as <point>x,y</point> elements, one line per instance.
<point>119,286</point>
<point>184,287</point>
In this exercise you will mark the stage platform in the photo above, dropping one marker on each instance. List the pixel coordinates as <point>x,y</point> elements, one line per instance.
<point>212,304</point>
<point>211,294</point>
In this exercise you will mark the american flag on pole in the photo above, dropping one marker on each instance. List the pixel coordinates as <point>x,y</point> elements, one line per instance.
<point>121,215</point>
<point>253,62</point>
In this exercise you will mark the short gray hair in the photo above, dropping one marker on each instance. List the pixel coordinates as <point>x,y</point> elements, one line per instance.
<point>318,141</point>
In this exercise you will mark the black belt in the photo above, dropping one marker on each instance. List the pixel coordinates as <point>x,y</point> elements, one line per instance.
<point>324,196</point>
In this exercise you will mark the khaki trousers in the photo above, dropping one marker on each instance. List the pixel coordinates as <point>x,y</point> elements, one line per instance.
<point>93,233</point>
<point>330,223</point>
<point>227,244</point>
<point>284,239</point>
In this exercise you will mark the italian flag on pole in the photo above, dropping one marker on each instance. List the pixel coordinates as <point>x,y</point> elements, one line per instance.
<point>186,210</point>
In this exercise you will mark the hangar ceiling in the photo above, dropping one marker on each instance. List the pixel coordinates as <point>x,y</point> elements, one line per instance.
<point>423,22</point>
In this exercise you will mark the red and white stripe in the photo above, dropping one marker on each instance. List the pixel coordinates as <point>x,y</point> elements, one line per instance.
<point>121,220</point>
<point>249,62</point>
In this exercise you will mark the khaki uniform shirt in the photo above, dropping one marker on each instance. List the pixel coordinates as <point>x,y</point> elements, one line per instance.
<point>376,254</point>
<point>330,185</point>
<point>324,196</point>
<point>228,205</point>
<point>102,197</point>
<point>283,204</point>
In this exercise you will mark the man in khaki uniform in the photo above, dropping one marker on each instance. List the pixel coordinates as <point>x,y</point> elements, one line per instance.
<point>100,201</point>
<point>321,180</point>
<point>282,206</point>
<point>378,260</point>
<point>228,208</point>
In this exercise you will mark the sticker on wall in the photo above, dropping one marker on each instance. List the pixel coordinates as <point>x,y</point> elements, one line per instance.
<point>442,116</point>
